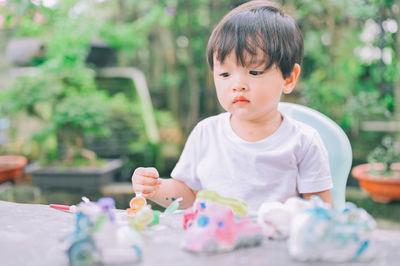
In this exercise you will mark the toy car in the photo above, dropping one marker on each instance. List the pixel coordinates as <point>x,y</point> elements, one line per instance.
<point>213,227</point>
<point>206,197</point>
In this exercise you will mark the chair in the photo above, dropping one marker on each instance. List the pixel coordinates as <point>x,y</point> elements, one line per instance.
<point>336,143</point>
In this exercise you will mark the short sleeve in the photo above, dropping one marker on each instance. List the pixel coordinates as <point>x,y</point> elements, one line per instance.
<point>314,172</point>
<point>186,167</point>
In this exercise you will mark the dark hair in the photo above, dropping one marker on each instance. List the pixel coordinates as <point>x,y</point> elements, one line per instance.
<point>257,25</point>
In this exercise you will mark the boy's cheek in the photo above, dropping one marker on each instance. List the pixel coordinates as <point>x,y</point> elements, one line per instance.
<point>223,100</point>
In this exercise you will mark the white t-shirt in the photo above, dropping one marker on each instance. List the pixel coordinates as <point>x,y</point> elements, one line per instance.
<point>292,160</point>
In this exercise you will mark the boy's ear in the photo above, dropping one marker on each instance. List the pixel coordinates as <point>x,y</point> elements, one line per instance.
<point>290,82</point>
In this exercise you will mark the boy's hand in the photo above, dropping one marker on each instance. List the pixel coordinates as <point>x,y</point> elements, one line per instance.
<point>145,180</point>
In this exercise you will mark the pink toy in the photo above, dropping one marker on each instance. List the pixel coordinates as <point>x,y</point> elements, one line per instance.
<point>212,228</point>
<point>189,215</point>
<point>206,197</point>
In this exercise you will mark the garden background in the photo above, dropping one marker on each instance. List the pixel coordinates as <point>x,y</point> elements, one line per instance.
<point>350,72</point>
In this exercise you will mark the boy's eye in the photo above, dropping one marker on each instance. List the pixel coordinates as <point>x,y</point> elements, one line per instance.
<point>225,74</point>
<point>256,73</point>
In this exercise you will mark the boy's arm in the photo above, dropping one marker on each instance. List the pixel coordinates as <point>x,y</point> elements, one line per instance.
<point>171,189</point>
<point>315,166</point>
<point>325,195</point>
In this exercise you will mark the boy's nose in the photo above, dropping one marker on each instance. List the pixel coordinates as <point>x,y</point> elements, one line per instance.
<point>240,88</point>
<point>239,82</point>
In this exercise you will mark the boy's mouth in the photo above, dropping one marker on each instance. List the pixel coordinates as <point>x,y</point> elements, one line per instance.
<point>240,100</point>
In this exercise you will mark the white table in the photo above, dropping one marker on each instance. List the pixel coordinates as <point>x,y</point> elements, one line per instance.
<point>30,234</point>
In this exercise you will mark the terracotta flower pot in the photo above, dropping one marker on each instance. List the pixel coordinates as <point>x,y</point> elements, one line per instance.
<point>380,188</point>
<point>11,167</point>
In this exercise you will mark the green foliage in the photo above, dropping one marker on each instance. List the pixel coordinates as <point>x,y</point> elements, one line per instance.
<point>350,60</point>
<point>137,27</point>
<point>349,72</point>
<point>62,93</point>
<point>387,154</point>
<point>86,112</point>
<point>28,93</point>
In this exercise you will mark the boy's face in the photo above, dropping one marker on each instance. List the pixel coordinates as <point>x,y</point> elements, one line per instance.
<point>249,92</point>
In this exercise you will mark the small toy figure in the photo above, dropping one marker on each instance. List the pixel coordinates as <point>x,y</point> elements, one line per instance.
<point>82,249</point>
<point>145,216</point>
<point>98,239</point>
<point>136,204</point>
<point>211,227</point>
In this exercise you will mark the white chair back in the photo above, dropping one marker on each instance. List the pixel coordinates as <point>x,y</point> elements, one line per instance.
<point>336,142</point>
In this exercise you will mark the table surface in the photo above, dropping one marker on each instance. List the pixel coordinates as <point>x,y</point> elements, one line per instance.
<point>30,234</point>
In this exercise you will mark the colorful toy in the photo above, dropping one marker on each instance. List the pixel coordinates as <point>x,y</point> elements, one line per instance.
<point>99,239</point>
<point>320,233</point>
<point>213,227</point>
<point>145,216</point>
<point>238,206</point>
<point>137,203</point>
<point>190,215</point>
<point>205,197</point>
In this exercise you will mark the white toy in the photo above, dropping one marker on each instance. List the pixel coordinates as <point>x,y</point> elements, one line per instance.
<point>326,234</point>
<point>275,217</point>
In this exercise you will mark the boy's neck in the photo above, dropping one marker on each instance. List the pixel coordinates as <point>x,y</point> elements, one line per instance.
<point>256,130</point>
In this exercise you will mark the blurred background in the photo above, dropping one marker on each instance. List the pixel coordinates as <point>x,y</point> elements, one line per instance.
<point>83,82</point>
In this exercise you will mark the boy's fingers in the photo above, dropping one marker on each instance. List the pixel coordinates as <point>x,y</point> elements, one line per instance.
<point>149,172</point>
<point>144,189</point>
<point>146,180</point>
<point>148,195</point>
<point>139,171</point>
<point>152,172</point>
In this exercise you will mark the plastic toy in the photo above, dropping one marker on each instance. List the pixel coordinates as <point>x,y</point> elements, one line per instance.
<point>99,239</point>
<point>143,217</point>
<point>212,227</point>
<point>146,216</point>
<point>327,234</point>
<point>137,203</point>
<point>238,206</point>
<point>206,197</point>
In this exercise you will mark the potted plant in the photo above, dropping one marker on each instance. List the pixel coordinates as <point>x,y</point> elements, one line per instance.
<point>61,95</point>
<point>66,114</point>
<point>380,177</point>
<point>77,116</point>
